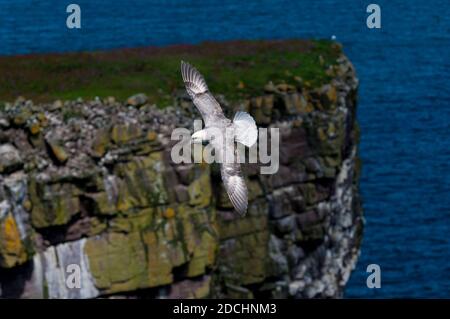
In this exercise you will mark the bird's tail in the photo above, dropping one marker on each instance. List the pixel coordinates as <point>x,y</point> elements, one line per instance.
<point>246,131</point>
<point>193,80</point>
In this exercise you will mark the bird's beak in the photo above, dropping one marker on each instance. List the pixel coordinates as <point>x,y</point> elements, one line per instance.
<point>195,140</point>
<point>198,141</point>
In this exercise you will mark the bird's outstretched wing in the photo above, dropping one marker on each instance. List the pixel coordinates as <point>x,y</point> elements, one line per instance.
<point>198,91</point>
<point>235,186</point>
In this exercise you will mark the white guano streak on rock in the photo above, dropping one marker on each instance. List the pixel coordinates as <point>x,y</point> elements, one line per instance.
<point>111,188</point>
<point>334,252</point>
<point>16,185</point>
<point>4,208</point>
<point>343,221</point>
<point>56,260</point>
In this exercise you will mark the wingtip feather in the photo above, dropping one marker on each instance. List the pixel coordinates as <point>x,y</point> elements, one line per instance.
<point>194,81</point>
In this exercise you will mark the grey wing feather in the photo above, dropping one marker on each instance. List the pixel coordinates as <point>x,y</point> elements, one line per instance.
<point>193,80</point>
<point>198,91</point>
<point>235,186</point>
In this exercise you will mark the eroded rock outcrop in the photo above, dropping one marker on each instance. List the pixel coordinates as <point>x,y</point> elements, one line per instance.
<point>92,184</point>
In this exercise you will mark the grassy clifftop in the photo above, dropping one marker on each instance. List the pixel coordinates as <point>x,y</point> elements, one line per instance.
<point>237,69</point>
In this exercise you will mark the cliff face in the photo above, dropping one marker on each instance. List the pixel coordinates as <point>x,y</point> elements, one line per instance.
<point>92,184</point>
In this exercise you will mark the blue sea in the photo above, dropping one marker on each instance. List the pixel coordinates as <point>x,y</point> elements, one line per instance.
<point>404,102</point>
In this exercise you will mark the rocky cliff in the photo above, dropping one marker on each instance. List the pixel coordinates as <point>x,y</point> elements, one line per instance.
<point>92,184</point>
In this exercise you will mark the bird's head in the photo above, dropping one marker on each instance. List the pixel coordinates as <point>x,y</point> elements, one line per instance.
<point>199,137</point>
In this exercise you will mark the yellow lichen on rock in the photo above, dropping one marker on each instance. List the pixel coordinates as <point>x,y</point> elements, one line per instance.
<point>151,136</point>
<point>159,269</point>
<point>169,213</point>
<point>35,128</point>
<point>58,151</point>
<point>200,191</point>
<point>12,250</point>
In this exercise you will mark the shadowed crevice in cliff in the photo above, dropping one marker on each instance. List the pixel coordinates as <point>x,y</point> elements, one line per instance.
<point>79,226</point>
<point>14,280</point>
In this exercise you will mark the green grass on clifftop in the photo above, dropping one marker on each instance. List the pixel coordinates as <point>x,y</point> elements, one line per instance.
<point>236,69</point>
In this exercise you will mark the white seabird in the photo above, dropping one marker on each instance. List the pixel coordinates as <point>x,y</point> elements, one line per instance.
<point>222,134</point>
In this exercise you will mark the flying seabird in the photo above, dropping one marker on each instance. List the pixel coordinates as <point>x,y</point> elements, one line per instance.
<point>222,133</point>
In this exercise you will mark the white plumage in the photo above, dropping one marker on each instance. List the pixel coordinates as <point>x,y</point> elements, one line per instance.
<point>243,126</point>
<point>245,129</point>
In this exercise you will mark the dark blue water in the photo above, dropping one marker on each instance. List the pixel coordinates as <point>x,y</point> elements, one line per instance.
<point>404,106</point>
